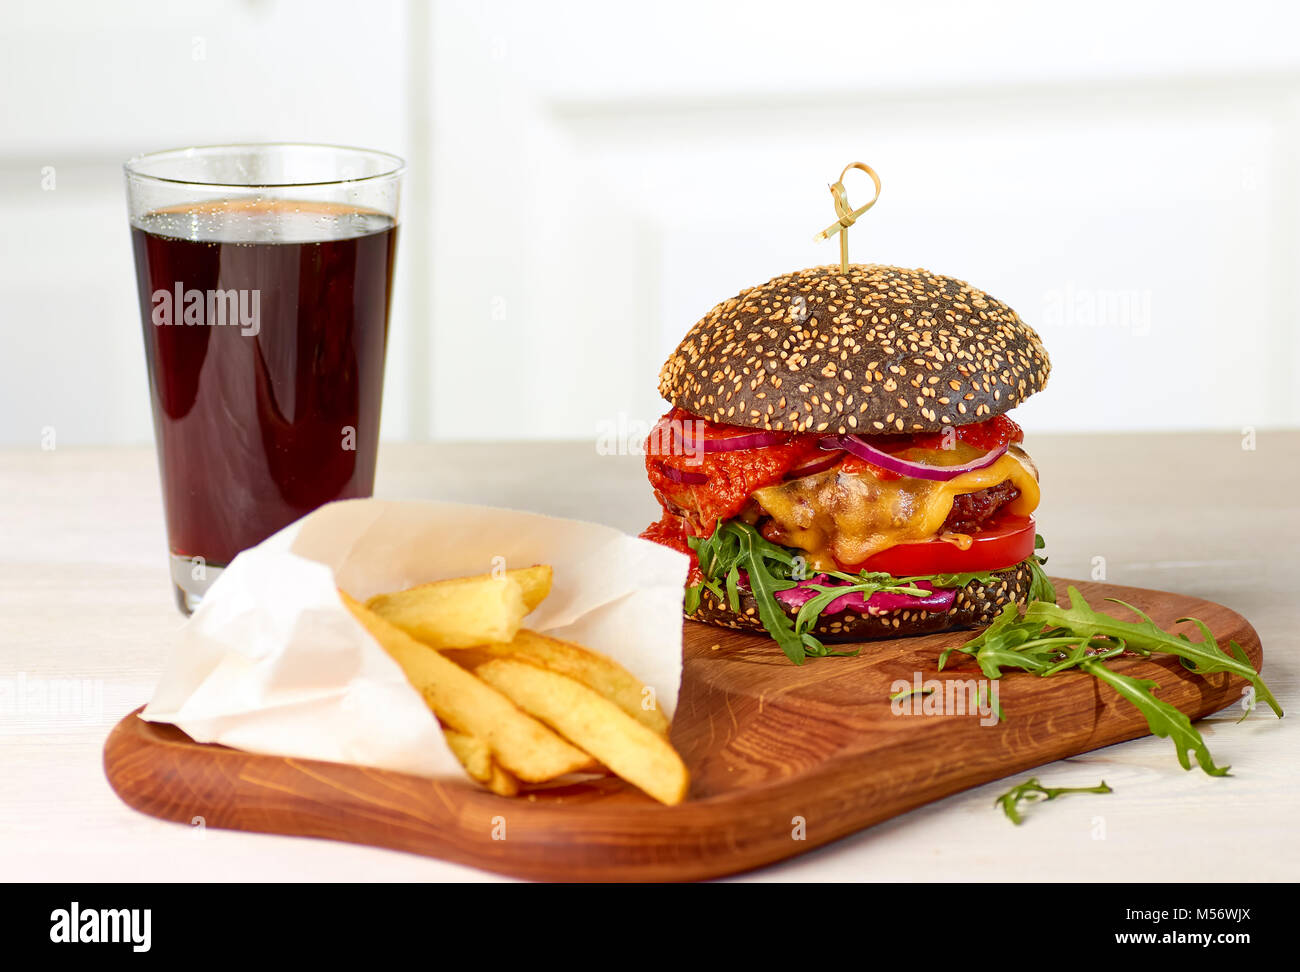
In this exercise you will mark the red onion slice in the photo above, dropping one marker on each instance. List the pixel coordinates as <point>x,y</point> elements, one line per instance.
<point>904,467</point>
<point>749,439</point>
<point>682,476</point>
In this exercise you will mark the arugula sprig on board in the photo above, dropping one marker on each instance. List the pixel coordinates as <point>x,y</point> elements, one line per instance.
<point>1035,792</point>
<point>1047,639</point>
<point>736,546</point>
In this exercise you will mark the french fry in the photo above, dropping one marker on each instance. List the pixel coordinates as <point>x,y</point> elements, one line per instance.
<point>518,742</point>
<point>502,782</point>
<point>632,751</point>
<point>598,673</point>
<point>463,611</point>
<point>476,756</point>
<point>535,582</point>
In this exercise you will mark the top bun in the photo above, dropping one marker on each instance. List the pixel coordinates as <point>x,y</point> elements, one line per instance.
<point>875,350</point>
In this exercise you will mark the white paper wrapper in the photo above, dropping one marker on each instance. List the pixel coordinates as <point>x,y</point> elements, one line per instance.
<point>272,662</point>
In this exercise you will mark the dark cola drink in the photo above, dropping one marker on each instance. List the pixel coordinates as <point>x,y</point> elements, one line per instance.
<point>265,326</point>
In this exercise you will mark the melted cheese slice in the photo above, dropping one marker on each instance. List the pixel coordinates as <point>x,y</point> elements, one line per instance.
<point>849,517</point>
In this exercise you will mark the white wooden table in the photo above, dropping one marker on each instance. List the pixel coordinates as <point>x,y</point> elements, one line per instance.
<point>84,596</point>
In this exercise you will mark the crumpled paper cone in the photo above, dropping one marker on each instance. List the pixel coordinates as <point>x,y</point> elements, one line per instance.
<point>272,662</point>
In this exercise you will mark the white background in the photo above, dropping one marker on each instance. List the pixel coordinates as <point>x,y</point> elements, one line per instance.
<point>587,179</point>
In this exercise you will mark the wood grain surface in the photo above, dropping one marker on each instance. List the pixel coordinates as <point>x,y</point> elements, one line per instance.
<point>783,758</point>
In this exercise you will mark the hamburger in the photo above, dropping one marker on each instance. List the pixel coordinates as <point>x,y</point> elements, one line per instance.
<point>839,463</point>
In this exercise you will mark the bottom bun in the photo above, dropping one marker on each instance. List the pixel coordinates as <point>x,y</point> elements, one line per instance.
<point>975,606</point>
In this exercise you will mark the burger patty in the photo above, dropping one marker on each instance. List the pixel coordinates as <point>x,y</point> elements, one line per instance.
<point>971,510</point>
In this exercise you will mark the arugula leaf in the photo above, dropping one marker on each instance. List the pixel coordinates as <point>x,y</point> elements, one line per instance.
<point>1040,588</point>
<point>764,587</point>
<point>1165,720</point>
<point>947,581</point>
<point>733,588</point>
<point>770,568</point>
<point>1035,792</point>
<point>997,703</point>
<point>1048,639</point>
<point>1205,656</point>
<point>826,593</point>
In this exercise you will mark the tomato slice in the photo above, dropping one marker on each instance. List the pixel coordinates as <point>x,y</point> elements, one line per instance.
<point>1004,542</point>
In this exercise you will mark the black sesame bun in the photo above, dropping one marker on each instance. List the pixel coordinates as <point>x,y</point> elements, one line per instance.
<point>875,350</point>
<point>975,606</point>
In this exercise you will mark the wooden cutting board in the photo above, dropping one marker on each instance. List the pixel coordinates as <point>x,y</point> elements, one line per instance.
<point>768,744</point>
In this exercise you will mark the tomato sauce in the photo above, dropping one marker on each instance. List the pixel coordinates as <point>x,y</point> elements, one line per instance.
<point>670,531</point>
<point>987,435</point>
<point>730,477</point>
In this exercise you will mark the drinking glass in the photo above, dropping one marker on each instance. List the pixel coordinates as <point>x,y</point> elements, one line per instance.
<point>264,274</point>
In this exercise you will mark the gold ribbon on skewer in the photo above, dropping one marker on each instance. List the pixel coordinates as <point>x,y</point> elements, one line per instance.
<point>846,214</point>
